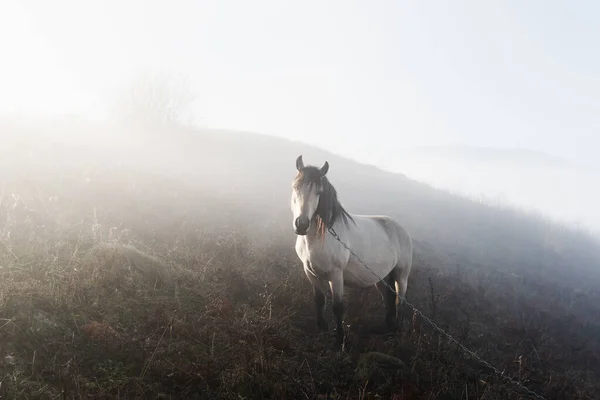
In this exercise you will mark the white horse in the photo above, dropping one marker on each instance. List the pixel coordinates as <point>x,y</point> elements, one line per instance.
<point>380,241</point>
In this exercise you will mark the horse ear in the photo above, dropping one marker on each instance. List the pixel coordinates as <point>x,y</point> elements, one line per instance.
<point>324,169</point>
<point>299,163</point>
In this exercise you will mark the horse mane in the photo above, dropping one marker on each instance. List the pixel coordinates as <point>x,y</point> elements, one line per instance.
<point>329,209</point>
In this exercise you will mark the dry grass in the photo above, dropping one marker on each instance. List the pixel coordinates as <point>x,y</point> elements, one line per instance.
<point>133,297</point>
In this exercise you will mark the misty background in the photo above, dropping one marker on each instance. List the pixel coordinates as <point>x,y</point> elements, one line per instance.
<point>491,101</point>
<point>147,152</point>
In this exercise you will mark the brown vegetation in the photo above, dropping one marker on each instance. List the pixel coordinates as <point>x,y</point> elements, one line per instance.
<point>124,286</point>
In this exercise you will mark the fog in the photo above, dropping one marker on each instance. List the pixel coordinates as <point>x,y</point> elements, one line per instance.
<point>242,180</point>
<point>535,182</point>
<point>223,104</point>
<point>72,187</point>
<point>147,152</point>
<point>413,79</point>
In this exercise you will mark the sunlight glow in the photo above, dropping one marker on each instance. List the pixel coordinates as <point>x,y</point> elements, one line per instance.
<point>33,80</point>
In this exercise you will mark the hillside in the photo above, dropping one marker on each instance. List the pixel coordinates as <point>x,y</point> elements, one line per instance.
<point>529,180</point>
<point>161,265</point>
<point>490,155</point>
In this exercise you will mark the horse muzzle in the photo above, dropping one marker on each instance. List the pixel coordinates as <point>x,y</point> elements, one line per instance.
<point>301,226</point>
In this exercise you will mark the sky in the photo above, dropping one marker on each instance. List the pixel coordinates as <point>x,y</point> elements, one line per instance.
<point>348,75</point>
<point>359,78</point>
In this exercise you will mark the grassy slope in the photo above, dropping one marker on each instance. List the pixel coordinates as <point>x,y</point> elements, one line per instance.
<point>135,284</point>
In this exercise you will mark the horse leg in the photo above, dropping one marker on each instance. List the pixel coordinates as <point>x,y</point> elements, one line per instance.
<point>401,277</point>
<point>319,297</point>
<point>336,282</point>
<point>319,289</point>
<point>388,293</point>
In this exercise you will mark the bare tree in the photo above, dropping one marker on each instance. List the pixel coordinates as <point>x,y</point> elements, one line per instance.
<point>155,100</point>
